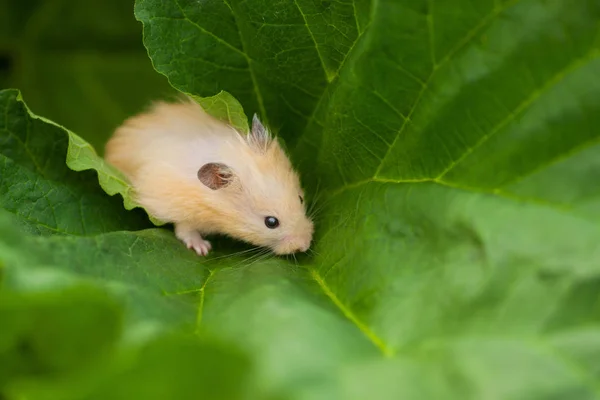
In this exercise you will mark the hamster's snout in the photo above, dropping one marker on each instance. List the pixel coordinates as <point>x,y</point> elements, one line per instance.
<point>302,248</point>
<point>297,242</point>
<point>292,245</point>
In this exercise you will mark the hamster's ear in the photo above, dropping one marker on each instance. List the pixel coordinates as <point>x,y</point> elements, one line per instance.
<point>259,136</point>
<point>215,175</point>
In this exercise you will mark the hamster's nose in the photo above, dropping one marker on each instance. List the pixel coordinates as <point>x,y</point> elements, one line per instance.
<point>295,244</point>
<point>303,247</point>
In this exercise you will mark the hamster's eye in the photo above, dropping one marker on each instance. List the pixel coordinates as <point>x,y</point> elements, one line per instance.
<point>301,199</point>
<point>271,222</point>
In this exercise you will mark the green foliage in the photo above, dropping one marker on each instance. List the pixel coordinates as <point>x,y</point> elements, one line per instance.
<point>78,63</point>
<point>453,149</point>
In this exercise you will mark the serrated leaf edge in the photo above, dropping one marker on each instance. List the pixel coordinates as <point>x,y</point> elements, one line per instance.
<point>78,162</point>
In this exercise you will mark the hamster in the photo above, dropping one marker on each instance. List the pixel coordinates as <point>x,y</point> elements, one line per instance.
<point>190,169</point>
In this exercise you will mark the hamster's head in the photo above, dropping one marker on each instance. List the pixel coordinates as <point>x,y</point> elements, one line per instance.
<point>258,194</point>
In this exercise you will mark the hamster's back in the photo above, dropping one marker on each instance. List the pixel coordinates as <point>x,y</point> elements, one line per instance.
<point>175,135</point>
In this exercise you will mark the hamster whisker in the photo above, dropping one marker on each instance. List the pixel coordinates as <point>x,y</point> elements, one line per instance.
<point>261,257</point>
<point>295,266</point>
<point>242,262</point>
<point>316,212</point>
<point>253,258</point>
<point>314,253</point>
<point>264,257</point>
<point>316,207</point>
<point>318,191</point>
<point>234,254</point>
<point>313,205</point>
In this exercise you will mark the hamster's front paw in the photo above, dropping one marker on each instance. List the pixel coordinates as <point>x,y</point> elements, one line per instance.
<point>200,246</point>
<point>193,240</point>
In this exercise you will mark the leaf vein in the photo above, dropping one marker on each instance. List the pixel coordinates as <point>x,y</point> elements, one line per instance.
<point>460,44</point>
<point>312,36</point>
<point>355,15</point>
<point>347,312</point>
<point>559,207</point>
<point>211,273</point>
<point>209,33</point>
<point>431,31</point>
<point>371,130</point>
<point>335,76</point>
<point>259,97</point>
<point>524,105</point>
<point>561,157</point>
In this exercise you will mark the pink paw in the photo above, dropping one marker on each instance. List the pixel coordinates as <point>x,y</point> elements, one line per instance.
<point>200,246</point>
<point>193,240</point>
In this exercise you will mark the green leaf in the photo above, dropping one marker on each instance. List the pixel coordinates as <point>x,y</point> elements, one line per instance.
<point>457,154</point>
<point>455,146</point>
<point>35,156</point>
<point>226,108</point>
<point>42,331</point>
<point>45,355</point>
<point>73,261</point>
<point>80,64</point>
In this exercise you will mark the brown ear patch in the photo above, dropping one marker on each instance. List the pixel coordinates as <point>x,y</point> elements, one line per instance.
<point>215,175</point>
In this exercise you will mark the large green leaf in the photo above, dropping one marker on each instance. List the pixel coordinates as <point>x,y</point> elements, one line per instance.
<point>457,147</point>
<point>456,150</point>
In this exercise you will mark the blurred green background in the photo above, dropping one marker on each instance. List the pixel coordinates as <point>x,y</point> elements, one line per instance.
<point>79,63</point>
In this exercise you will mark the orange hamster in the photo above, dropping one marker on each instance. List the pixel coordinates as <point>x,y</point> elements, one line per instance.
<point>188,168</point>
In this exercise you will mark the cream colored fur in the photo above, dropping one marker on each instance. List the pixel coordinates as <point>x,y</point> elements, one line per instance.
<point>161,151</point>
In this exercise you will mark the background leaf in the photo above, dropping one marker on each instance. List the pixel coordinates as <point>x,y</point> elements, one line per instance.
<point>79,64</point>
<point>38,186</point>
<point>455,150</point>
